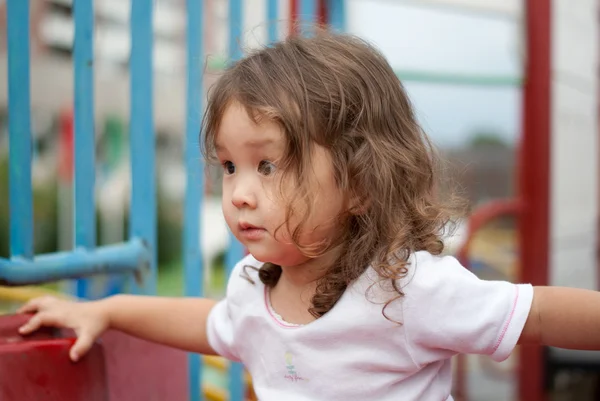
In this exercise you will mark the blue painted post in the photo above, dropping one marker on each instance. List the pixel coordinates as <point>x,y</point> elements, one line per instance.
<point>19,127</point>
<point>83,59</point>
<point>337,15</point>
<point>308,14</point>
<point>235,30</point>
<point>235,251</point>
<point>143,187</point>
<point>192,254</point>
<point>236,371</point>
<point>273,20</point>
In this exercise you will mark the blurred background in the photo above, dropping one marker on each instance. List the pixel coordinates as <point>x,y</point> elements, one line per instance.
<point>462,62</point>
<point>462,69</point>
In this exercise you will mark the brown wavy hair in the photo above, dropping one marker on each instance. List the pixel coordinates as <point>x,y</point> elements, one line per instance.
<point>339,92</point>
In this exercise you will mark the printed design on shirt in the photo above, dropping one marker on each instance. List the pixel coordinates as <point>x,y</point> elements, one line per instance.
<point>292,375</point>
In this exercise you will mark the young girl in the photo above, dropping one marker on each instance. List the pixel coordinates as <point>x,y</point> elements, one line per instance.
<point>329,182</point>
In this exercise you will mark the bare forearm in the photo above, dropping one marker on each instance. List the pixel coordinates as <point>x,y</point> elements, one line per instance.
<point>176,322</point>
<point>565,318</point>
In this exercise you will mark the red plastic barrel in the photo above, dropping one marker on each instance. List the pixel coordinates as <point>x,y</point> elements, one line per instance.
<point>38,367</point>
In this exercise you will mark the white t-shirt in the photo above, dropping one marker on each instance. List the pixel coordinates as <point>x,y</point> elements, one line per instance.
<point>353,352</point>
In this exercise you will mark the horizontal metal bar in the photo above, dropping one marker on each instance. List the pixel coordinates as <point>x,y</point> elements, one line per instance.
<point>129,257</point>
<point>458,79</point>
<point>216,63</point>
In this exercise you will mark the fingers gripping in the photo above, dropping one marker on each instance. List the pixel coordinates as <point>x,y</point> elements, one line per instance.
<point>39,320</point>
<point>43,315</point>
<point>82,345</point>
<point>49,311</point>
<point>36,305</point>
<point>32,325</point>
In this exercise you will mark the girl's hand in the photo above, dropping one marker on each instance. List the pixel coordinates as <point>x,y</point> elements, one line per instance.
<point>87,319</point>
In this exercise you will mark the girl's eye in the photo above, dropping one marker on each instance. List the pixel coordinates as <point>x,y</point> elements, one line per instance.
<point>266,167</point>
<point>228,167</point>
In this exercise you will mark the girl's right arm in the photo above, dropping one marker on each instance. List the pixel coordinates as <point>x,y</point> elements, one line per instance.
<point>175,322</point>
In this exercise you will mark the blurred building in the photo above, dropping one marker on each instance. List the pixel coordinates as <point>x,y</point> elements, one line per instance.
<point>482,173</point>
<point>52,30</point>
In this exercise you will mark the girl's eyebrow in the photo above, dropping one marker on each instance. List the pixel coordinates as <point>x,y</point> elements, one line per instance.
<point>259,143</point>
<point>252,144</point>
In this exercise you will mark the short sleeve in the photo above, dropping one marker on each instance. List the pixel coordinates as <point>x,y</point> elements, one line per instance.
<point>220,324</point>
<point>220,331</point>
<point>448,310</point>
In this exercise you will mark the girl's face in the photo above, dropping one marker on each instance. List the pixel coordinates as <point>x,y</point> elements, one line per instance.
<point>252,202</point>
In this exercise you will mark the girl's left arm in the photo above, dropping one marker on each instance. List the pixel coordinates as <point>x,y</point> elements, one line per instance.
<point>564,318</point>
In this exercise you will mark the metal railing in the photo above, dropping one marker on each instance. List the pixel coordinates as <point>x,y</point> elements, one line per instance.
<point>136,257</point>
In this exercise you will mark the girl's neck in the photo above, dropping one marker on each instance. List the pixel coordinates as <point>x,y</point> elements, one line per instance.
<point>303,275</point>
<point>292,295</point>
<point>307,274</point>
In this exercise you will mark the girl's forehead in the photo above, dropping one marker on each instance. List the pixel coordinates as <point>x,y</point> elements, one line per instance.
<point>237,128</point>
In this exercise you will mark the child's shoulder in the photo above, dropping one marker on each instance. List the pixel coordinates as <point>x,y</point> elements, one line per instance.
<point>423,263</point>
<point>425,274</point>
<point>428,271</point>
<point>424,268</point>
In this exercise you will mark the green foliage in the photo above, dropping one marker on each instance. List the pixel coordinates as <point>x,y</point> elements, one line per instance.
<point>44,215</point>
<point>169,235</point>
<point>487,138</point>
<point>45,211</point>
<point>4,222</point>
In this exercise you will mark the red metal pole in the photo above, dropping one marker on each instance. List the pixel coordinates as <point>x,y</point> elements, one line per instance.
<point>478,219</point>
<point>535,180</point>
<point>65,162</point>
<point>322,17</point>
<point>293,17</point>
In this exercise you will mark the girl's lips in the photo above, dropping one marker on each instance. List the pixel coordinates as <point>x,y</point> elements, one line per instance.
<point>251,232</point>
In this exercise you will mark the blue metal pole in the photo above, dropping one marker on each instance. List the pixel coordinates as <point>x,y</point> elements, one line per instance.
<point>192,255</point>
<point>236,251</point>
<point>337,14</point>
<point>143,187</point>
<point>83,59</point>
<point>273,20</point>
<point>234,254</point>
<point>308,13</point>
<point>235,29</point>
<point>19,127</point>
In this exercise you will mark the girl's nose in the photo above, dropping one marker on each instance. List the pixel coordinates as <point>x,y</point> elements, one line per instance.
<point>243,196</point>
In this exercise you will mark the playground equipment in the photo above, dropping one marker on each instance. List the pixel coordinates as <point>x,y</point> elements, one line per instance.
<point>118,368</point>
<point>136,257</point>
<point>557,207</point>
<point>557,198</point>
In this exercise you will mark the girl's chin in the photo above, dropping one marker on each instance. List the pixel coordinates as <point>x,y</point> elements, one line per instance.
<point>282,257</point>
